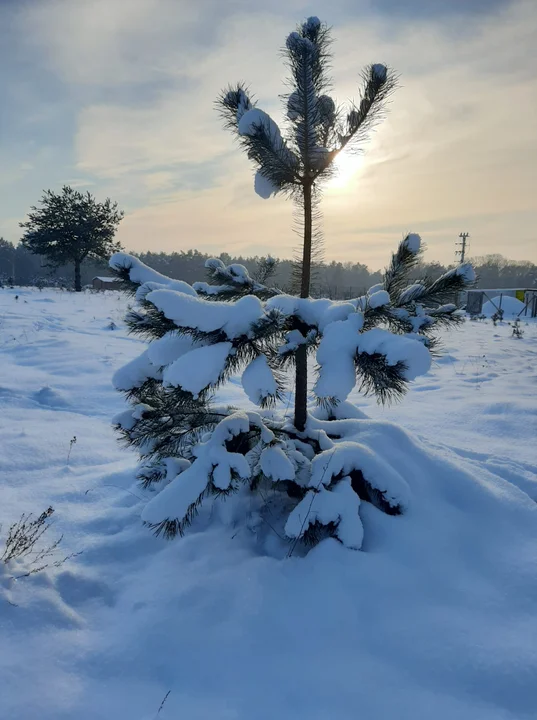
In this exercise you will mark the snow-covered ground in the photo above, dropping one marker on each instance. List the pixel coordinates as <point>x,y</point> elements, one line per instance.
<point>437,618</point>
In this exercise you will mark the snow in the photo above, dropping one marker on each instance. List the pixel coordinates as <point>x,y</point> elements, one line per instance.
<point>293,106</point>
<point>316,313</point>
<point>141,273</point>
<point>127,419</point>
<point>379,299</point>
<point>342,411</point>
<point>170,347</point>
<point>233,319</point>
<point>396,348</point>
<point>199,368</point>
<point>255,119</point>
<point>294,40</point>
<point>258,381</point>
<point>135,373</point>
<point>326,106</point>
<point>214,264</point>
<point>239,273</point>
<point>511,307</point>
<point>379,71</point>
<point>413,243</point>
<point>335,355</point>
<point>411,292</point>
<point>340,506</point>
<point>212,461</point>
<point>243,105</point>
<point>263,186</point>
<point>343,339</point>
<point>434,618</point>
<point>203,288</point>
<point>276,465</point>
<point>293,339</point>
<point>347,456</point>
<point>467,272</point>
<point>312,23</point>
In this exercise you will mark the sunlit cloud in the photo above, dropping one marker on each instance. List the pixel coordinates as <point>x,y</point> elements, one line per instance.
<point>136,87</point>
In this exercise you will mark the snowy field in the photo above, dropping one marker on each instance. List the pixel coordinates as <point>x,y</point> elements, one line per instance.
<point>436,619</point>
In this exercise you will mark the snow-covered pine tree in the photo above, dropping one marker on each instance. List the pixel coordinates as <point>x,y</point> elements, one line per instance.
<point>298,161</point>
<point>312,480</point>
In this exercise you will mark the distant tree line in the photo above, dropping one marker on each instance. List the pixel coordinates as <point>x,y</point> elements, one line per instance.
<point>334,279</point>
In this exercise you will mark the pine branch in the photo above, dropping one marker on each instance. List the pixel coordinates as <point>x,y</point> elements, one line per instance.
<point>377,377</point>
<point>231,104</point>
<point>260,139</point>
<point>378,84</point>
<point>402,263</point>
<point>230,283</point>
<point>440,291</point>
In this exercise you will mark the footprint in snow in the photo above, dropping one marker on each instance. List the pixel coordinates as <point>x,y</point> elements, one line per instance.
<point>76,589</point>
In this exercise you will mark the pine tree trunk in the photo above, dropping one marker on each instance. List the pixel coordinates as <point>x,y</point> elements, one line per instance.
<point>301,377</point>
<point>306,250</point>
<point>78,283</point>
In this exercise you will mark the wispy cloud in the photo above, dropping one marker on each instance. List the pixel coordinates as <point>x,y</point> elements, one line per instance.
<point>459,145</point>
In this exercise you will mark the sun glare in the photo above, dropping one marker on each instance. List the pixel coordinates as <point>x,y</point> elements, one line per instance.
<point>346,166</point>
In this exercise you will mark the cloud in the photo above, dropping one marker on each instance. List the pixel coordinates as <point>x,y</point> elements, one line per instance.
<point>458,146</point>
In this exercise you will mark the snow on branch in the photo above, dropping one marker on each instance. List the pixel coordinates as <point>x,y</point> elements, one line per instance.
<point>135,373</point>
<point>378,84</point>
<point>259,382</point>
<point>345,457</point>
<point>199,369</point>
<point>338,508</point>
<point>214,470</point>
<point>232,319</point>
<point>233,281</point>
<point>276,162</point>
<point>140,274</point>
<point>402,262</point>
<point>342,345</point>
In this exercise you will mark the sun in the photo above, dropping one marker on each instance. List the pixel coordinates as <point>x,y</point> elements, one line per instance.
<point>346,166</point>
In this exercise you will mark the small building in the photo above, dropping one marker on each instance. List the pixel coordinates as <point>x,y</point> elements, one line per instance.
<point>106,283</point>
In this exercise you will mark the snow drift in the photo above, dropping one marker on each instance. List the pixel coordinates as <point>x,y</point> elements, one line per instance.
<point>511,307</point>
<point>434,618</point>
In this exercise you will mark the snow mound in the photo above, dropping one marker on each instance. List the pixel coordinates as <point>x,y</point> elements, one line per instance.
<point>439,605</point>
<point>511,306</point>
<point>50,397</point>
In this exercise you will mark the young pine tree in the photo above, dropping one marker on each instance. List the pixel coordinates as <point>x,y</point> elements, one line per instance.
<point>311,481</point>
<point>304,476</point>
<point>297,162</point>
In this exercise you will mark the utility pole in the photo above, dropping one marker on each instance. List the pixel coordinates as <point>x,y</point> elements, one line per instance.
<point>462,252</point>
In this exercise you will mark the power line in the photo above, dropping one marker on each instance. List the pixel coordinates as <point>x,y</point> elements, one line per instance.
<point>462,252</point>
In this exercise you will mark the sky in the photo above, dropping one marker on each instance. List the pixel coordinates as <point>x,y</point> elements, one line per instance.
<point>117,97</point>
